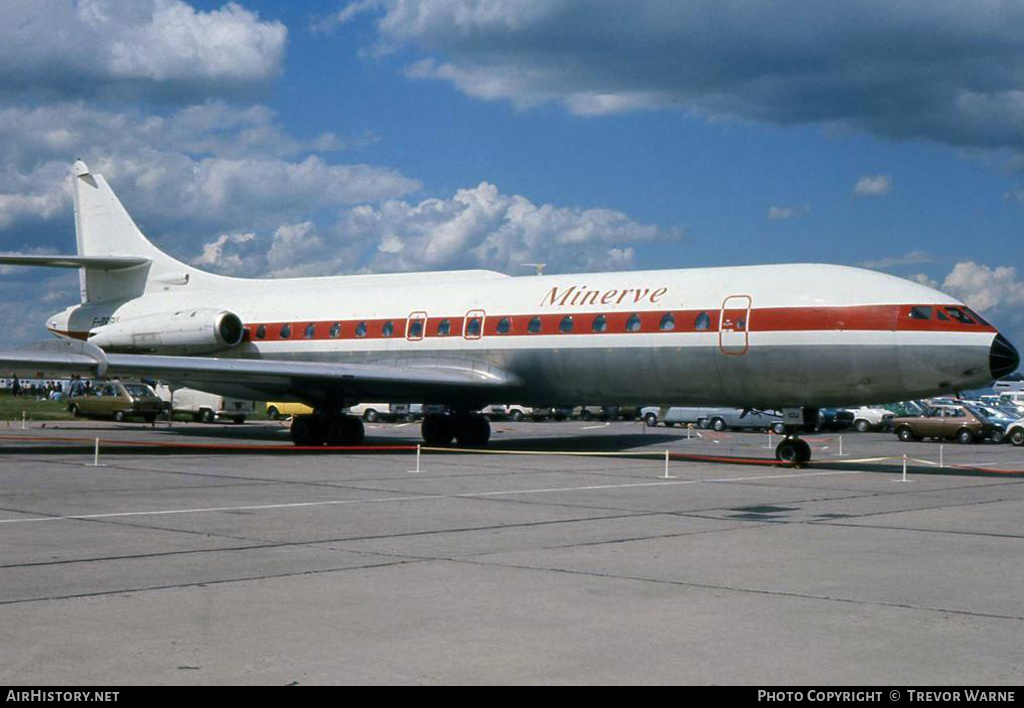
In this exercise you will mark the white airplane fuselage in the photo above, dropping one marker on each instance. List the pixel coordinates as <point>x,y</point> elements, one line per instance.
<point>804,335</point>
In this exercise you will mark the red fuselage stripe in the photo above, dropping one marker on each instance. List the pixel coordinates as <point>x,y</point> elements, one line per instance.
<point>768,319</point>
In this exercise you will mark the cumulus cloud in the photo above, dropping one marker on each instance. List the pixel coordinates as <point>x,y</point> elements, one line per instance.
<point>61,47</point>
<point>201,168</point>
<point>947,71</point>
<point>777,213</point>
<point>985,288</point>
<point>873,186</point>
<point>475,228</point>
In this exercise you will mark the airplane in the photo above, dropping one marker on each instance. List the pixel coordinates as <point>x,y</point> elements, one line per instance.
<point>794,337</point>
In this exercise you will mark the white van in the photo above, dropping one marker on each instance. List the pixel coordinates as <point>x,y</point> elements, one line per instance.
<point>206,407</point>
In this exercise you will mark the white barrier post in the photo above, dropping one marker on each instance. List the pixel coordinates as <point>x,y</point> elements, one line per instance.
<point>23,420</point>
<point>689,429</point>
<point>96,456</point>
<point>667,475</point>
<point>940,456</point>
<point>417,470</point>
<point>840,445</point>
<point>904,479</point>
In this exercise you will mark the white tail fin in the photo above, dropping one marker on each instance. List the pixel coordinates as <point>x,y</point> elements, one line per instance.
<point>104,228</point>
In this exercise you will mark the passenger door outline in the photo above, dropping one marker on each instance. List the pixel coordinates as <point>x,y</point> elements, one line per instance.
<point>418,316</point>
<point>734,325</point>
<point>465,324</point>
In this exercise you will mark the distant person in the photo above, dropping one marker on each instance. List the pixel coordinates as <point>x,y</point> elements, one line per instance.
<point>16,387</point>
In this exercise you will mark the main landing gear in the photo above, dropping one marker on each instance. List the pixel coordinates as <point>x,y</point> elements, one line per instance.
<point>339,430</point>
<point>468,429</point>
<point>793,450</point>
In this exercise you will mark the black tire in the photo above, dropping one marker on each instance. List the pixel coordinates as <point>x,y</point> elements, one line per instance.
<point>437,430</point>
<point>305,431</point>
<point>778,428</point>
<point>964,436</point>
<point>651,420</point>
<point>119,416</point>
<point>1017,436</point>
<point>472,431</point>
<point>207,416</point>
<point>718,425</point>
<point>149,417</point>
<point>906,435</point>
<point>516,416</point>
<point>238,419</point>
<point>793,451</point>
<point>862,426</point>
<point>997,436</point>
<point>273,413</point>
<point>669,424</point>
<point>370,415</point>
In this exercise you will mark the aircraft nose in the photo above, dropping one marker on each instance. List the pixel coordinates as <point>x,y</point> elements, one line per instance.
<point>1003,358</point>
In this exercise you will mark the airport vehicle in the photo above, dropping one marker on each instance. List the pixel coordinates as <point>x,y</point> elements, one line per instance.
<point>866,418</point>
<point>120,401</point>
<point>946,423</point>
<point>828,335</point>
<point>205,407</point>
<point>718,419</point>
<point>276,410</point>
<point>834,419</point>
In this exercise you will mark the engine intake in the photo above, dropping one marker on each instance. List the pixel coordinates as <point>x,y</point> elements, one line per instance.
<point>195,331</point>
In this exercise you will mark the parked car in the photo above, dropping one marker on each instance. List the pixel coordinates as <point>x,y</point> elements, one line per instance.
<point>205,407</point>
<point>944,423</point>
<point>867,418</point>
<point>370,412</point>
<point>119,401</point>
<point>1000,419</point>
<point>834,419</point>
<point>277,410</point>
<point>715,418</point>
<point>1015,433</point>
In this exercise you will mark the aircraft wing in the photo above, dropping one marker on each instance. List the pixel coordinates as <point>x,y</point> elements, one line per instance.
<point>316,383</point>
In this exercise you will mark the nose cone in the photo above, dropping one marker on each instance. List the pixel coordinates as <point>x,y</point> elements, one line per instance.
<point>1003,358</point>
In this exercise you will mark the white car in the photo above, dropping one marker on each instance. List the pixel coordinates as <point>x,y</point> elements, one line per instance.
<point>718,419</point>
<point>868,418</point>
<point>1015,433</point>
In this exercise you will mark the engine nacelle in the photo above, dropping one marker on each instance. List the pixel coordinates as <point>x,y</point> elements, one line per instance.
<point>194,331</point>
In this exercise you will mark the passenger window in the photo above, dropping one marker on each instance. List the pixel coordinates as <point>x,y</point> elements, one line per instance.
<point>703,321</point>
<point>388,329</point>
<point>920,313</point>
<point>310,331</point>
<point>286,331</point>
<point>444,328</point>
<point>534,326</point>
<point>565,326</point>
<point>416,329</point>
<point>668,322</point>
<point>361,329</point>
<point>473,327</point>
<point>633,323</point>
<point>600,324</point>
<point>504,325</point>
<point>261,332</point>
<point>335,330</point>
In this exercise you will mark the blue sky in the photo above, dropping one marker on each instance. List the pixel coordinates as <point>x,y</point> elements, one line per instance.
<point>268,138</point>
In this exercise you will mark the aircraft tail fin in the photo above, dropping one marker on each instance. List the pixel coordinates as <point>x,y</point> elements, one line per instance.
<point>105,232</point>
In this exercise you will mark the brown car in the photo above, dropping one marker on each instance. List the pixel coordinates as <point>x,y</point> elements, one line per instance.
<point>945,423</point>
<point>113,399</point>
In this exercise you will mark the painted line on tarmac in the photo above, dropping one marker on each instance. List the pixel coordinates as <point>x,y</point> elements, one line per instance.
<point>425,497</point>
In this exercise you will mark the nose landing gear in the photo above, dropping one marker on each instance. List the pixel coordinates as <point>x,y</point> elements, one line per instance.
<point>793,451</point>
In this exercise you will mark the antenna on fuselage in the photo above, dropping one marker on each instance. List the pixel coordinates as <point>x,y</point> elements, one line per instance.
<point>538,267</point>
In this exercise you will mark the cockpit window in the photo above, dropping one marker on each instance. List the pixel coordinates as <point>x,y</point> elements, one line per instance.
<point>920,313</point>
<point>959,315</point>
